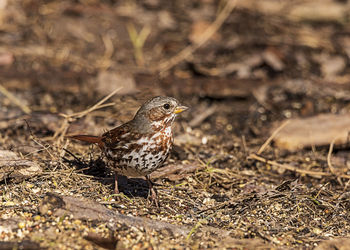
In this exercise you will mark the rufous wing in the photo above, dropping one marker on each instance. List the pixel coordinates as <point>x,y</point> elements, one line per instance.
<point>88,138</point>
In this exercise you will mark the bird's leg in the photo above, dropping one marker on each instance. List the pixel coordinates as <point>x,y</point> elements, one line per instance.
<point>116,189</point>
<point>152,192</point>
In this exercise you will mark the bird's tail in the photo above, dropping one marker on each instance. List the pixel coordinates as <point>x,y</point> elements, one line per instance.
<point>88,138</point>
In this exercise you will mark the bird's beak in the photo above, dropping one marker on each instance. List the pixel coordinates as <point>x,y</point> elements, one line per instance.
<point>180,109</point>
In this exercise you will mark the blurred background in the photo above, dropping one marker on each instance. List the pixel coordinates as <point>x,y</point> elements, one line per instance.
<point>54,52</point>
<point>265,60</point>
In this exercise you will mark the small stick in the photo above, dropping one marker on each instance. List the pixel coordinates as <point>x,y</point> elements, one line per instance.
<point>73,155</point>
<point>329,161</point>
<point>268,141</point>
<point>202,116</point>
<point>329,157</point>
<point>244,145</point>
<point>96,106</point>
<point>294,169</point>
<point>46,148</point>
<point>288,167</point>
<point>61,132</point>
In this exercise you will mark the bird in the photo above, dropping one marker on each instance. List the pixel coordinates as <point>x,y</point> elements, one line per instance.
<point>141,145</point>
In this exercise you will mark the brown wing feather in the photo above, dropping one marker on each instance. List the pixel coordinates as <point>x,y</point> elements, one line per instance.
<point>112,137</point>
<point>120,136</point>
<point>88,138</point>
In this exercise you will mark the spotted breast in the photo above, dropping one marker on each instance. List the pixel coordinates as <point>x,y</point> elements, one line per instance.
<point>142,154</point>
<point>140,146</point>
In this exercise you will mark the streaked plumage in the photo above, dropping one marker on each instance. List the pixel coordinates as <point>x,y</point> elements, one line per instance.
<point>140,146</point>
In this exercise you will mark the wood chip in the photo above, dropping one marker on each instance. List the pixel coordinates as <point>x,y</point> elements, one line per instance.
<point>319,130</point>
<point>13,167</point>
<point>175,172</point>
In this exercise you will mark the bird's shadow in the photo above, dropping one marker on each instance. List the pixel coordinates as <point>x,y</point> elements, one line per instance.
<point>131,187</point>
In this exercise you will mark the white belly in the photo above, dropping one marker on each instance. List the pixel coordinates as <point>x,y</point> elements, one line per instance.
<point>148,158</point>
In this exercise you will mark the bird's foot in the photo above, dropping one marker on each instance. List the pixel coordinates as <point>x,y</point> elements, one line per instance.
<point>152,195</point>
<point>116,189</point>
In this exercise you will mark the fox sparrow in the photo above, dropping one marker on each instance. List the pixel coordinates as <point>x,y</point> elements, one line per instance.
<point>140,146</point>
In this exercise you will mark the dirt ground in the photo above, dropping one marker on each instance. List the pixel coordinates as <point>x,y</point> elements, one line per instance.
<point>243,68</point>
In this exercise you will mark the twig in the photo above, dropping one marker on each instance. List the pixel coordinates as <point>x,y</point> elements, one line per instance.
<point>202,116</point>
<point>292,168</point>
<point>268,141</point>
<point>186,52</point>
<point>329,157</point>
<point>33,137</point>
<point>329,161</point>
<point>14,100</point>
<point>73,155</point>
<point>320,190</point>
<point>61,132</point>
<point>98,105</point>
<point>287,166</point>
<point>244,145</point>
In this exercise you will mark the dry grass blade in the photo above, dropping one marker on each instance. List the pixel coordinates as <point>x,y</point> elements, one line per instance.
<point>61,132</point>
<point>209,32</point>
<point>98,105</point>
<point>15,100</point>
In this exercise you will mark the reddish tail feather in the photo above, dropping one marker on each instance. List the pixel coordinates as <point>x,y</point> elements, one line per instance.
<point>88,138</point>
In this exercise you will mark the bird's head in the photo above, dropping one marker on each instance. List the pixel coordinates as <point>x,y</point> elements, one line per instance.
<point>160,111</point>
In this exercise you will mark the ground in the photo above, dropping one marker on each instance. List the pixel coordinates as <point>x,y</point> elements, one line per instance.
<point>243,68</point>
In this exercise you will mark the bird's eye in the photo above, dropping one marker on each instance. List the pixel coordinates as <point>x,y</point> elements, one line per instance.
<point>167,106</point>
